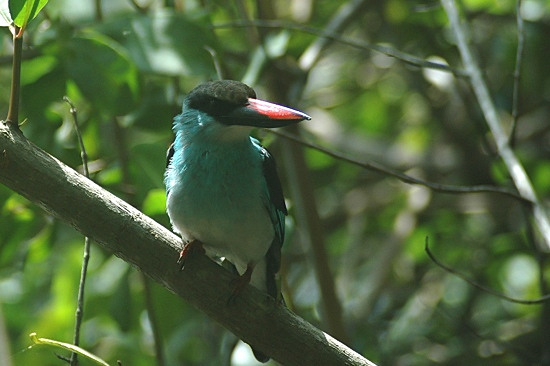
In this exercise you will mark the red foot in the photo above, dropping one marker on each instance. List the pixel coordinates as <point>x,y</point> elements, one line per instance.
<point>240,283</point>
<point>193,246</point>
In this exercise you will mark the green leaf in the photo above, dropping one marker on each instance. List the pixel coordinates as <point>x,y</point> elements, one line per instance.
<point>167,43</point>
<point>68,347</point>
<point>155,202</point>
<point>541,178</point>
<point>156,105</point>
<point>35,68</point>
<point>103,72</point>
<point>25,10</point>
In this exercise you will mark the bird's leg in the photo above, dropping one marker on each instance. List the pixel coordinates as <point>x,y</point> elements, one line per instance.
<point>240,283</point>
<point>189,248</point>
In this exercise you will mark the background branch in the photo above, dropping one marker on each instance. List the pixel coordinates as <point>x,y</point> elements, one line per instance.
<point>539,301</point>
<point>300,178</point>
<point>517,72</point>
<point>374,166</point>
<point>331,35</point>
<point>515,169</point>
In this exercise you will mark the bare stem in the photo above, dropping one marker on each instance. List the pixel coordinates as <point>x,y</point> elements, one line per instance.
<point>13,111</point>
<point>216,61</point>
<point>151,314</point>
<point>98,10</point>
<point>79,315</point>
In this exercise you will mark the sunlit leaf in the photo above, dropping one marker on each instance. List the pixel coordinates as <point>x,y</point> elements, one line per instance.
<point>493,6</point>
<point>168,43</point>
<point>155,202</point>
<point>24,11</point>
<point>103,72</point>
<point>68,347</point>
<point>37,67</point>
<point>542,178</point>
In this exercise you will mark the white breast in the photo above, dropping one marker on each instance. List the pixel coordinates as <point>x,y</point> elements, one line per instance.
<point>220,198</point>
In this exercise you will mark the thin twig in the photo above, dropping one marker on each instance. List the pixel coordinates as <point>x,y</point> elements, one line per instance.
<point>336,25</point>
<point>124,158</point>
<point>253,36</point>
<point>528,357</point>
<point>83,154</point>
<point>370,165</point>
<point>141,8</point>
<point>153,321</point>
<point>216,61</point>
<point>388,51</point>
<point>98,10</point>
<point>13,109</point>
<point>515,169</point>
<point>517,72</point>
<point>462,276</point>
<point>79,315</point>
<point>299,177</point>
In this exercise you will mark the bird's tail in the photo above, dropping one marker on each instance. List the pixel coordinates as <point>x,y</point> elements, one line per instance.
<point>261,357</point>
<point>272,285</point>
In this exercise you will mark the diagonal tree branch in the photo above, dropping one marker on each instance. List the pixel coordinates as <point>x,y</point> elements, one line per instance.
<point>139,240</point>
<point>515,169</point>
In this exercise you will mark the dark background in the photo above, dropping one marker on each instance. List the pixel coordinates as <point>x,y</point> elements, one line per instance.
<point>127,70</point>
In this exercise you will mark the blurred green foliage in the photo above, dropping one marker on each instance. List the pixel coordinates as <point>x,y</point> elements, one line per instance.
<point>127,70</point>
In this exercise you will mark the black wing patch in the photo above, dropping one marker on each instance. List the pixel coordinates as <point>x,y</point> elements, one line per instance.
<point>278,213</point>
<point>169,154</point>
<point>273,182</point>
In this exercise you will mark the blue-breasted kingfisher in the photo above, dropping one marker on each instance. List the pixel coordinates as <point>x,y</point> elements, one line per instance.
<point>223,191</point>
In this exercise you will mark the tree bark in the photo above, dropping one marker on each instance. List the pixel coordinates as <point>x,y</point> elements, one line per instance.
<point>120,228</point>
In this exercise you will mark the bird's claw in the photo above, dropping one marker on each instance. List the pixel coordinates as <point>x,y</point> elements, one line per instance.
<point>239,284</point>
<point>189,248</point>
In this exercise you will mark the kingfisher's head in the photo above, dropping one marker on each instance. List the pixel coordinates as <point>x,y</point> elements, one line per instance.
<point>228,105</point>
